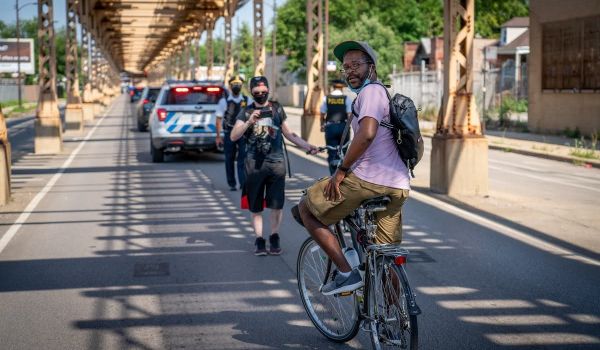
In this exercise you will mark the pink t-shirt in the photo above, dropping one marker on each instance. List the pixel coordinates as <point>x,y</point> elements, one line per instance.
<point>380,164</point>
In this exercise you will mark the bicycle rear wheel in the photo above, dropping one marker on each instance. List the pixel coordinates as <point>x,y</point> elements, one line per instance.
<point>336,317</point>
<point>392,327</point>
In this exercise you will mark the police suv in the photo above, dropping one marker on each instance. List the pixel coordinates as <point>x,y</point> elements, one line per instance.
<point>183,118</point>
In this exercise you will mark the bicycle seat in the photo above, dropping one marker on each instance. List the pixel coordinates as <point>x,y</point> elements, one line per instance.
<point>376,204</point>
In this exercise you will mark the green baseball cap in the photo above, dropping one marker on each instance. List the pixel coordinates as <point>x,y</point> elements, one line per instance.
<point>340,50</point>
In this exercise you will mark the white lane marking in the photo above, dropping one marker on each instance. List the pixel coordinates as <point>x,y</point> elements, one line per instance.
<point>14,228</point>
<point>488,224</point>
<point>574,177</point>
<point>565,183</point>
<point>504,230</point>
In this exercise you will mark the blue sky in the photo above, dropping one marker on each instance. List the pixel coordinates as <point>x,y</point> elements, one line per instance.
<point>8,14</point>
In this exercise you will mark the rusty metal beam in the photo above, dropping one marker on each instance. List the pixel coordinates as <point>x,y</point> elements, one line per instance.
<point>314,68</point>
<point>459,150</point>
<point>48,126</point>
<point>259,36</point>
<point>73,110</point>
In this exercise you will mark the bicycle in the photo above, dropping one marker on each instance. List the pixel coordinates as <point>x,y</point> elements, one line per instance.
<point>385,306</point>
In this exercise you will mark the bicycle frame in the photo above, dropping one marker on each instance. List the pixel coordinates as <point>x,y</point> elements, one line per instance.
<point>368,254</point>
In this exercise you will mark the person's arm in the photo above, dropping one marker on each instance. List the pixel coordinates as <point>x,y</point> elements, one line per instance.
<point>323,111</point>
<point>219,114</point>
<point>362,140</point>
<point>241,126</point>
<point>297,140</point>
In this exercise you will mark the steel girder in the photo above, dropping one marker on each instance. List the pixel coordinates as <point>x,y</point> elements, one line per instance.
<point>135,35</point>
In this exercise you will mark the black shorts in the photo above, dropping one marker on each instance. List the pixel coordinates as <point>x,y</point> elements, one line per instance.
<point>265,182</point>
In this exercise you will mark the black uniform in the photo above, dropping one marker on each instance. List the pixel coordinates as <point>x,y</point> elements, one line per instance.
<point>233,149</point>
<point>335,122</point>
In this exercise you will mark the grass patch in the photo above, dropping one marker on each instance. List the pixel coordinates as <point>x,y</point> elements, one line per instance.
<point>428,113</point>
<point>507,149</point>
<point>541,148</point>
<point>584,150</point>
<point>10,103</point>
<point>19,110</point>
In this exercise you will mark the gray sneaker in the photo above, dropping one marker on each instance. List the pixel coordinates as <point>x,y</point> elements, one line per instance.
<point>341,284</point>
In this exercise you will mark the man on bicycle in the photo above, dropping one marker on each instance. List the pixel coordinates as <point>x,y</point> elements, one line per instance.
<point>371,168</point>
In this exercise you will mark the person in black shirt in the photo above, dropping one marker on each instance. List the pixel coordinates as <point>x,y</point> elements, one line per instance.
<point>228,109</point>
<point>335,110</point>
<point>263,123</point>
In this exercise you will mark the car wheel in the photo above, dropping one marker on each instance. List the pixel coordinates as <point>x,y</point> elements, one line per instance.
<point>141,126</point>
<point>158,156</point>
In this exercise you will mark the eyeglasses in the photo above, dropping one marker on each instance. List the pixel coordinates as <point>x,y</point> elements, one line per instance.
<point>347,68</point>
<point>260,93</point>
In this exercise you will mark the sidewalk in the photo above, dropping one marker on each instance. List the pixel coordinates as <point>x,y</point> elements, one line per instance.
<point>544,146</point>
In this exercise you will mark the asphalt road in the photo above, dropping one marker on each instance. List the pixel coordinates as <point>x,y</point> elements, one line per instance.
<point>115,252</point>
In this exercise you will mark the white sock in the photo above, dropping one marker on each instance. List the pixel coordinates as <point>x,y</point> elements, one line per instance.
<point>344,274</point>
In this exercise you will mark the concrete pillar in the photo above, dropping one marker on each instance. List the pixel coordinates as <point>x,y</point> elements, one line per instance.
<point>459,156</point>
<point>48,126</point>
<point>73,110</point>
<point>310,123</point>
<point>5,162</point>
<point>259,37</point>
<point>86,67</point>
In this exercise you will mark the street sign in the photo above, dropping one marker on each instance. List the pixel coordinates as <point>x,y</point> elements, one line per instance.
<point>8,56</point>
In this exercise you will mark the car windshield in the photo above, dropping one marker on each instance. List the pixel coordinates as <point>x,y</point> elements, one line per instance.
<point>193,95</point>
<point>152,94</point>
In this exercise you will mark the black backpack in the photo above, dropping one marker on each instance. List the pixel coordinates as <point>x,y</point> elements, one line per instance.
<point>405,128</point>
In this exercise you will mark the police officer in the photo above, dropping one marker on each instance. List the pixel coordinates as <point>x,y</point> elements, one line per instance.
<point>335,110</point>
<point>228,109</point>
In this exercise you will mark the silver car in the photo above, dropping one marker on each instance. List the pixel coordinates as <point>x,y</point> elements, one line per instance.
<point>183,118</point>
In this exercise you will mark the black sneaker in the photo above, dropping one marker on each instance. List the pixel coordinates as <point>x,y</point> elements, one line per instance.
<point>261,245</point>
<point>274,248</point>
<point>232,188</point>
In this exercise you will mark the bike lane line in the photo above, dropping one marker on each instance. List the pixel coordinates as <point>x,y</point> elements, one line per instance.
<point>30,208</point>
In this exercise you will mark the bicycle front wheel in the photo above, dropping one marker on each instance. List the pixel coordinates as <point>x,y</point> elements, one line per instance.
<point>336,317</point>
<point>391,325</point>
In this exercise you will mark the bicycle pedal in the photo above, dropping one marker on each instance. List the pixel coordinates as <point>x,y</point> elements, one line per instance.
<point>344,294</point>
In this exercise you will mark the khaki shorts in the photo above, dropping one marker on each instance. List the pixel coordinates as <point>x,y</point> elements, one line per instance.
<point>355,191</point>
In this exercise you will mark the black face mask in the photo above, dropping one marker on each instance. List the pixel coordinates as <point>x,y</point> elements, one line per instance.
<point>260,98</point>
<point>236,89</point>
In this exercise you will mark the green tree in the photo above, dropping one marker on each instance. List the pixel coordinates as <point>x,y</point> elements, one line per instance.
<point>490,14</point>
<point>382,38</point>
<point>409,20</point>
<point>244,50</point>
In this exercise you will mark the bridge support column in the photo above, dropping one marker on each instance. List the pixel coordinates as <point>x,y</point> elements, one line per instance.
<point>310,123</point>
<point>87,105</point>
<point>5,162</point>
<point>48,126</point>
<point>228,41</point>
<point>459,157</point>
<point>210,53</point>
<point>73,110</point>
<point>96,83</point>
<point>105,87</point>
<point>259,39</point>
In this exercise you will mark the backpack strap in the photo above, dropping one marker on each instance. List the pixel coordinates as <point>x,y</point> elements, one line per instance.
<point>347,127</point>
